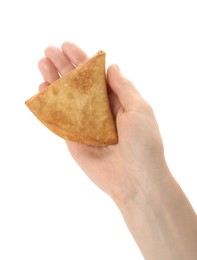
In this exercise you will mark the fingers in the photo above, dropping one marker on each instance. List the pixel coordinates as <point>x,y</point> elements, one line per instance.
<point>48,70</point>
<point>70,57</point>
<point>59,60</point>
<point>123,88</point>
<point>74,53</point>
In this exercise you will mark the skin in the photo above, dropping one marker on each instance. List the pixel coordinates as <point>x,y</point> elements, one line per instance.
<point>134,172</point>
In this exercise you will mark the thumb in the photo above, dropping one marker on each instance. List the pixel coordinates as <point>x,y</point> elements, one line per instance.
<point>122,87</point>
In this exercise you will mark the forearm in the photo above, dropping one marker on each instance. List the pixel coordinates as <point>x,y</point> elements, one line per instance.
<point>162,221</point>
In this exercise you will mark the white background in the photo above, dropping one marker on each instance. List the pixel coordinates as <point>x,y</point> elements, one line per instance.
<point>48,207</point>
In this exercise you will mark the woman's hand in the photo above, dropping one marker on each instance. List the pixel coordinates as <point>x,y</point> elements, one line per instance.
<point>133,172</point>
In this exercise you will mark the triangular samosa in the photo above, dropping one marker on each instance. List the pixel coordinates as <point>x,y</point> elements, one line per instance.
<point>76,106</point>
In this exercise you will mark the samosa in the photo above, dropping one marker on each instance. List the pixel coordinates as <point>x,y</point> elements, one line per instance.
<point>76,106</point>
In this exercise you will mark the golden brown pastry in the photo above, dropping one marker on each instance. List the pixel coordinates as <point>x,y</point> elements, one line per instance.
<point>76,106</point>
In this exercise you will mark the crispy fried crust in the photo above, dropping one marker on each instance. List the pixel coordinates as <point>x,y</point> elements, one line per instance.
<point>76,106</point>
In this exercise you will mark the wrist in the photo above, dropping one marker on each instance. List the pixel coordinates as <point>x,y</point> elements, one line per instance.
<point>145,190</point>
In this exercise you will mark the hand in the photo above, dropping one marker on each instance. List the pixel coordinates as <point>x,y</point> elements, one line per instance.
<point>123,169</point>
<point>133,172</point>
